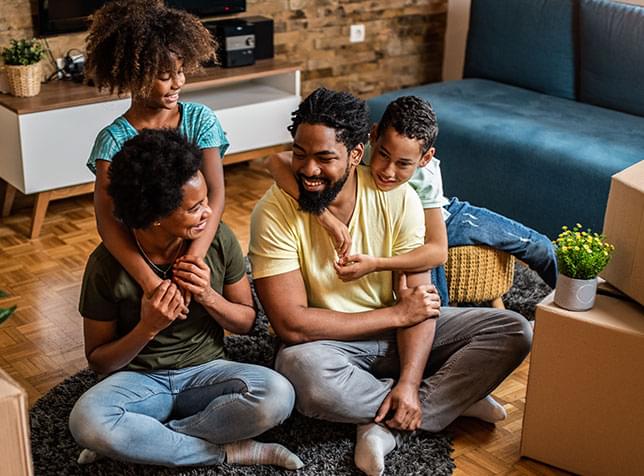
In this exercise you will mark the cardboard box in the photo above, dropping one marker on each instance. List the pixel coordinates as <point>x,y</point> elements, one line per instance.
<point>15,443</point>
<point>624,228</point>
<point>584,403</point>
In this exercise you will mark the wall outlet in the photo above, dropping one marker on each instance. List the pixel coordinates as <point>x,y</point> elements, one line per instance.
<point>357,33</point>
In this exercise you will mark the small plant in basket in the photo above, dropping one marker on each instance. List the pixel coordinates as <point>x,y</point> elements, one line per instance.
<point>22,65</point>
<point>23,52</point>
<point>581,256</point>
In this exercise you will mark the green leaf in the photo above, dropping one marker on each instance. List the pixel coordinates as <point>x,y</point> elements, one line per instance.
<point>5,313</point>
<point>3,294</point>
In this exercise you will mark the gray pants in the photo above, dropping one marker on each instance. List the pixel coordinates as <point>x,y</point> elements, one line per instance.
<point>474,350</point>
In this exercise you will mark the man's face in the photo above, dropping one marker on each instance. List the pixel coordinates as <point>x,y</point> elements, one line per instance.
<point>320,164</point>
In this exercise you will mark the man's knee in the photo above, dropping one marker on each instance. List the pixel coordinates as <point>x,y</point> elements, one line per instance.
<point>518,332</point>
<point>313,371</point>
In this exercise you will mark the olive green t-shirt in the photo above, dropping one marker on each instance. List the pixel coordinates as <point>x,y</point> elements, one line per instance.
<point>109,293</point>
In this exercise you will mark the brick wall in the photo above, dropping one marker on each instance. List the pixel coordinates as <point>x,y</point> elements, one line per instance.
<point>403,44</point>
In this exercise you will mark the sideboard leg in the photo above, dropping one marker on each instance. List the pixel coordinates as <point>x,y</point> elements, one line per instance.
<point>40,210</point>
<point>9,196</point>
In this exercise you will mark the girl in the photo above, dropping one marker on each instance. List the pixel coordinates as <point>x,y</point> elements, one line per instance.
<point>145,49</point>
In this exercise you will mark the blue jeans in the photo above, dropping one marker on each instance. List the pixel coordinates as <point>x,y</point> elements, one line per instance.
<point>469,225</point>
<point>180,417</point>
<point>474,350</point>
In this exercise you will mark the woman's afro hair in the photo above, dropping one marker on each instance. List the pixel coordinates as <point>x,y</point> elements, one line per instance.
<point>148,174</point>
<point>338,110</point>
<point>132,42</point>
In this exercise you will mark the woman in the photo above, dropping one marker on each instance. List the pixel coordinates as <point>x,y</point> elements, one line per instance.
<point>171,397</point>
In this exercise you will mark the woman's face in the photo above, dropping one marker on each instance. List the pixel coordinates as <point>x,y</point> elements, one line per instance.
<point>189,220</point>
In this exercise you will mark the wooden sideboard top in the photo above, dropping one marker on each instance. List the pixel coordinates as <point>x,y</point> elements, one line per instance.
<point>61,94</point>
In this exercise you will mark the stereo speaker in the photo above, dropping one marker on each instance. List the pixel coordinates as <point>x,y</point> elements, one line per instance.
<point>263,36</point>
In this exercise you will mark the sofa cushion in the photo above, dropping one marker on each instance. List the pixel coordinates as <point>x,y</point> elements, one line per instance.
<point>539,159</point>
<point>612,55</point>
<point>528,43</point>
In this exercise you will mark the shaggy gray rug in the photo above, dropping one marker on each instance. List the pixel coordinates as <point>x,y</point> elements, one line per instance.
<point>326,448</point>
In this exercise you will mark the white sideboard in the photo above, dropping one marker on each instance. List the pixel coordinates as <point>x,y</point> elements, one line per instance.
<point>46,139</point>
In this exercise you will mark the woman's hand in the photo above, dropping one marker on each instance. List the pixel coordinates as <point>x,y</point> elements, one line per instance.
<point>192,274</point>
<point>162,308</point>
<point>350,268</point>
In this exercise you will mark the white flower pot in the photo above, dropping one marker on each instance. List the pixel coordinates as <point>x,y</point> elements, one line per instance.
<point>575,294</point>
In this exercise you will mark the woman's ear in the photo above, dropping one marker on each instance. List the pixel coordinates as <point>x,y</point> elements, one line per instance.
<point>429,155</point>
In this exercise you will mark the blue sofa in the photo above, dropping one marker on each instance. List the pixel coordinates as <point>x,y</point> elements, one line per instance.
<point>551,105</point>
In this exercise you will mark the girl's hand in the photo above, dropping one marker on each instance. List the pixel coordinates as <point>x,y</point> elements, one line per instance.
<point>350,268</point>
<point>192,275</point>
<point>338,231</point>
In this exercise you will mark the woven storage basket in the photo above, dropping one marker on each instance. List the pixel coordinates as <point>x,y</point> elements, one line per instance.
<point>24,81</point>
<point>478,273</point>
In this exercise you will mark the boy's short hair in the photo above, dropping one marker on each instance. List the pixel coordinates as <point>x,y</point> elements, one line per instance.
<point>148,174</point>
<point>338,110</point>
<point>412,117</point>
<point>131,42</point>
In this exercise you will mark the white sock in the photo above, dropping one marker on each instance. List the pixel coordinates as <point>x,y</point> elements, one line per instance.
<point>486,409</point>
<point>254,452</point>
<point>373,443</point>
<point>88,456</point>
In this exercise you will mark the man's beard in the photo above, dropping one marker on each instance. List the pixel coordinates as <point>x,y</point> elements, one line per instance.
<point>317,202</point>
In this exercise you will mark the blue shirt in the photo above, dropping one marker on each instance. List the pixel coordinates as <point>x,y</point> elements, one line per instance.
<point>198,124</point>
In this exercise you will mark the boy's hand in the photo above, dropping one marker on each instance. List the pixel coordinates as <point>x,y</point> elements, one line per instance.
<point>338,231</point>
<point>162,308</point>
<point>192,274</point>
<point>354,267</point>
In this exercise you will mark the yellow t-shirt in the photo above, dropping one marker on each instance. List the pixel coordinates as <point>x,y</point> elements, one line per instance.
<point>284,238</point>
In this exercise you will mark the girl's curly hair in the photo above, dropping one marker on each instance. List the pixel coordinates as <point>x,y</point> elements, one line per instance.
<point>131,42</point>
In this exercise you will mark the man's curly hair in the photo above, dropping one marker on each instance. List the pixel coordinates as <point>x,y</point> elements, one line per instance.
<point>338,110</point>
<point>132,42</point>
<point>412,117</point>
<point>147,176</point>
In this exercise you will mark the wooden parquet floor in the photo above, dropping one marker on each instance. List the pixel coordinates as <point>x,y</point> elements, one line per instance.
<point>42,343</point>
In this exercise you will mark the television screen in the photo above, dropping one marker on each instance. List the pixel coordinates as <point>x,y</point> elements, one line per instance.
<point>66,16</point>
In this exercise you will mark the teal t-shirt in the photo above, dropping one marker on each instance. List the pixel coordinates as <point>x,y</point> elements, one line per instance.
<point>109,293</point>
<point>198,124</point>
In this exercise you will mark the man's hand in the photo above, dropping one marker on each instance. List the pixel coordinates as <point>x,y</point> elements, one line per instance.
<point>162,308</point>
<point>402,406</point>
<point>338,231</point>
<point>192,274</point>
<point>354,267</point>
<point>417,304</point>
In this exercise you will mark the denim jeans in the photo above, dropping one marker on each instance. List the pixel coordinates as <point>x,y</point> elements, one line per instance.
<point>474,350</point>
<point>180,417</point>
<point>469,225</point>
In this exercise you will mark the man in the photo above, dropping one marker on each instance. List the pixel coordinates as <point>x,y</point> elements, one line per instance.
<point>354,353</point>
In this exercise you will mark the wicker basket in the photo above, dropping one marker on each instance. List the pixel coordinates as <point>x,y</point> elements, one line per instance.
<point>478,273</point>
<point>24,81</point>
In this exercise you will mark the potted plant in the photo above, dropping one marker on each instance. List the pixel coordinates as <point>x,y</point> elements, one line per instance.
<point>581,256</point>
<point>22,65</point>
